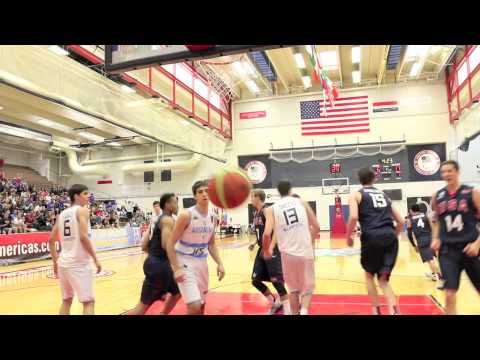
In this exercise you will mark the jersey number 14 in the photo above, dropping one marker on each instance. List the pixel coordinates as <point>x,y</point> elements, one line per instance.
<point>456,224</point>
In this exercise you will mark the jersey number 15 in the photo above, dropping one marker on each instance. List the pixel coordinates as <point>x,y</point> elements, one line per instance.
<point>378,200</point>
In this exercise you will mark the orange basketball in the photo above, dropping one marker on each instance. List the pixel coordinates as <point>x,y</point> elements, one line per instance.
<point>229,188</point>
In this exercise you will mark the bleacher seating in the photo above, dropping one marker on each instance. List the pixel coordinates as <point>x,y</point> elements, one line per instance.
<point>29,175</point>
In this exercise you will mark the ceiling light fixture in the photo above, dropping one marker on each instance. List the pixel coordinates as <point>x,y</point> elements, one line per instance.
<point>356,55</point>
<point>58,50</point>
<point>416,51</point>
<point>307,82</point>
<point>237,65</point>
<point>127,89</point>
<point>415,69</point>
<point>299,60</point>
<point>356,77</point>
<point>90,136</point>
<point>328,59</point>
<point>252,86</point>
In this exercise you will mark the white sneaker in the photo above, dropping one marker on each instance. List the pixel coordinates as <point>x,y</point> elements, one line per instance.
<point>431,276</point>
<point>276,306</point>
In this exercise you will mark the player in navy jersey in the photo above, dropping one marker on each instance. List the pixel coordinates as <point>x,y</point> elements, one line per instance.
<point>455,234</point>
<point>419,225</point>
<point>158,273</point>
<point>379,237</point>
<point>263,269</point>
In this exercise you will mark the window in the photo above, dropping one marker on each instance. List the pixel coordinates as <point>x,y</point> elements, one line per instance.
<point>169,68</point>
<point>474,58</point>
<point>462,73</point>
<point>215,99</point>
<point>328,60</point>
<point>201,89</point>
<point>184,75</point>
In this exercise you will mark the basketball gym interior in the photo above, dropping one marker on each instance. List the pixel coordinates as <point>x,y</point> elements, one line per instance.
<point>135,121</point>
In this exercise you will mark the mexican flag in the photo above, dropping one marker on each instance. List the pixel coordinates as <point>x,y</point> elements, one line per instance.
<point>320,75</point>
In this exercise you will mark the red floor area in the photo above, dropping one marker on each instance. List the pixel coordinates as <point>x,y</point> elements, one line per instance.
<point>219,303</point>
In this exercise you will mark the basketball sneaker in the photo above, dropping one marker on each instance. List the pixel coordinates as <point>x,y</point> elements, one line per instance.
<point>276,306</point>
<point>431,276</point>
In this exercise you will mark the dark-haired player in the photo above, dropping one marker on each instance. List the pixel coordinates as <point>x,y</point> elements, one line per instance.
<point>379,237</point>
<point>419,224</point>
<point>159,278</point>
<point>455,234</point>
<point>192,236</point>
<point>73,265</point>
<point>266,269</point>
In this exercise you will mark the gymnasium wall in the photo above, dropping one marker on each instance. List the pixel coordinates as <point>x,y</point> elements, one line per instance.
<point>45,166</point>
<point>422,117</point>
<point>132,187</point>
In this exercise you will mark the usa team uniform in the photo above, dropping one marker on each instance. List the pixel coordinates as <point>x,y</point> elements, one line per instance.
<point>458,228</point>
<point>294,240</point>
<point>74,267</point>
<point>265,270</point>
<point>379,242</point>
<point>159,278</point>
<point>423,234</point>
<point>192,253</point>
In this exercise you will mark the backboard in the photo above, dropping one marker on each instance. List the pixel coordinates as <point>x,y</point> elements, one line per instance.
<point>333,186</point>
<point>121,58</point>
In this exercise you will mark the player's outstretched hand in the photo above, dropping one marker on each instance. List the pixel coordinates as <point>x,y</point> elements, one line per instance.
<point>435,245</point>
<point>220,272</point>
<point>472,249</point>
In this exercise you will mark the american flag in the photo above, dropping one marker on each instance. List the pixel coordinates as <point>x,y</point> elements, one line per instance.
<point>349,115</point>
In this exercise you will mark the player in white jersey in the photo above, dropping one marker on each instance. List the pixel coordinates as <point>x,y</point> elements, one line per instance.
<point>73,267</point>
<point>193,234</point>
<point>296,227</point>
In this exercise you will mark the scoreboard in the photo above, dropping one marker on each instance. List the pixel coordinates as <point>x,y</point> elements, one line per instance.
<point>387,169</point>
<point>335,168</point>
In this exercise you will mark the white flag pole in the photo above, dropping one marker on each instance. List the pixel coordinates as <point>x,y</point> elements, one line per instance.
<point>324,104</point>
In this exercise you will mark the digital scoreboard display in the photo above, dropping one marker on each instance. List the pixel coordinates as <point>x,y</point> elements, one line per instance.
<point>386,169</point>
<point>335,168</point>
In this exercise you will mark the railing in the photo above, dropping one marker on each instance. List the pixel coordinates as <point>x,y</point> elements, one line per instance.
<point>162,82</point>
<point>463,83</point>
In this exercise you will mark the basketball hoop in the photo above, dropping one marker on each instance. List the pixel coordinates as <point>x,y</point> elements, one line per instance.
<point>218,78</point>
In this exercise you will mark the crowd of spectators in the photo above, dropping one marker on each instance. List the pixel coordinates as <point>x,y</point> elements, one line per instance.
<point>27,208</point>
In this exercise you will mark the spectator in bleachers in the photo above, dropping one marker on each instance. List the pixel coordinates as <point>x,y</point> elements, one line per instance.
<point>25,207</point>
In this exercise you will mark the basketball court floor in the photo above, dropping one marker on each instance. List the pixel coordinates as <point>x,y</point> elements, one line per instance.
<point>31,289</point>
